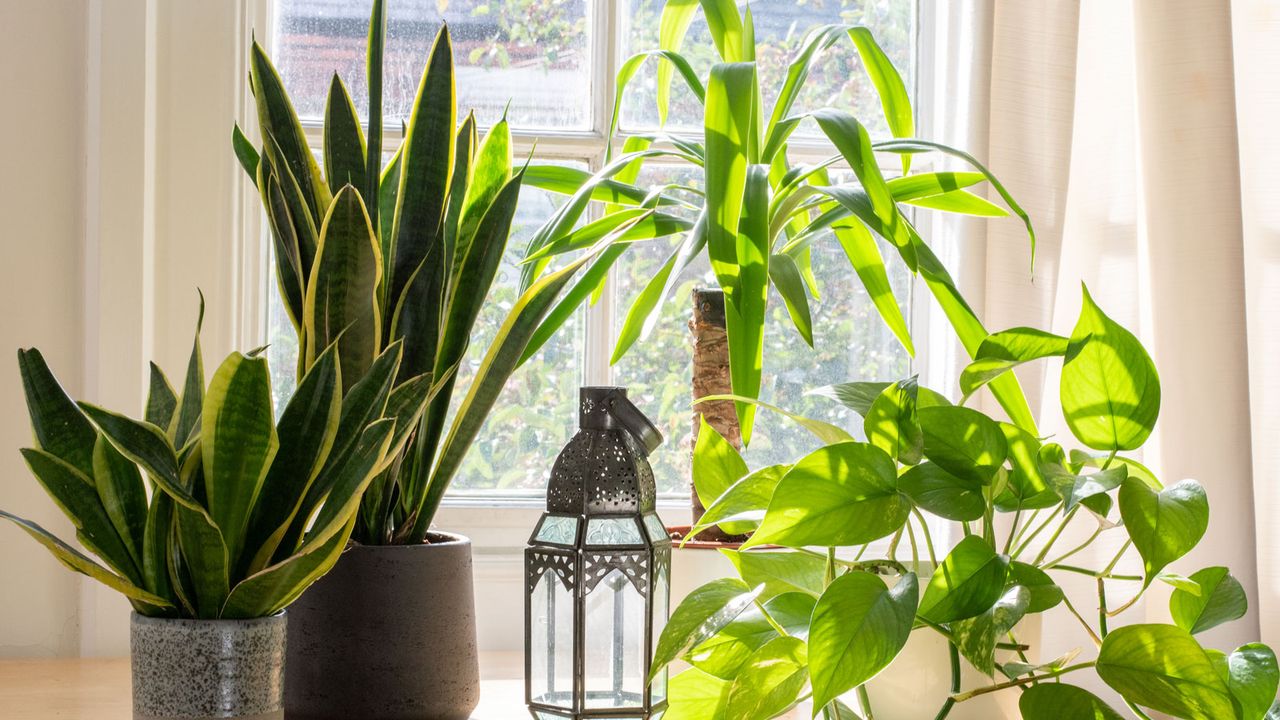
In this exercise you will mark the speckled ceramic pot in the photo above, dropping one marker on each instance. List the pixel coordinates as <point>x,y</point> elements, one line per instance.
<point>388,634</point>
<point>203,669</point>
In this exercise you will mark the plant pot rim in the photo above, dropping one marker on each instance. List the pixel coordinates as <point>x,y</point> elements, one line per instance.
<point>678,532</point>
<point>443,539</point>
<point>239,622</point>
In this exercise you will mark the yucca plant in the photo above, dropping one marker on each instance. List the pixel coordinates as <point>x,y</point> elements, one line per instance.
<point>207,507</point>
<point>367,256</point>
<point>758,214</point>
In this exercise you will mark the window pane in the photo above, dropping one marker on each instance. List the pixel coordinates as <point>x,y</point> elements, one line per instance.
<point>536,413</point>
<point>531,53</point>
<point>835,80</point>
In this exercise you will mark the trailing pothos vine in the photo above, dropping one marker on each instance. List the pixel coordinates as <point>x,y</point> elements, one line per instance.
<point>841,567</point>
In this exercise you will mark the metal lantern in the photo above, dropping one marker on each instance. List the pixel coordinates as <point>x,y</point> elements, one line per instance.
<point>598,571</point>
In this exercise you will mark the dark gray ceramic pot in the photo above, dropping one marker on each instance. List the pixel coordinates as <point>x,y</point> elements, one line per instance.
<point>388,634</point>
<point>199,669</point>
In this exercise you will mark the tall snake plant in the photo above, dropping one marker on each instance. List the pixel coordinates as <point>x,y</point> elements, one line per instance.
<point>224,531</point>
<point>758,213</point>
<point>368,256</point>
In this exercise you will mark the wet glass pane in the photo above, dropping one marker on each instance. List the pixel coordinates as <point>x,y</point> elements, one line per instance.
<point>614,644</point>
<point>531,53</point>
<point>613,531</point>
<point>551,642</point>
<point>836,79</point>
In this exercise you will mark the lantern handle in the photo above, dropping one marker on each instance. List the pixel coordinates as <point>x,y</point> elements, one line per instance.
<point>634,421</point>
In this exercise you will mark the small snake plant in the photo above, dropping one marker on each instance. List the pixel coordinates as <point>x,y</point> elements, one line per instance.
<point>208,507</point>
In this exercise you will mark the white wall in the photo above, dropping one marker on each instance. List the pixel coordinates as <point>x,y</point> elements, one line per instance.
<point>42,77</point>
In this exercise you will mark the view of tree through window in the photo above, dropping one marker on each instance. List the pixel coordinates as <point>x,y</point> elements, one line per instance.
<point>534,58</point>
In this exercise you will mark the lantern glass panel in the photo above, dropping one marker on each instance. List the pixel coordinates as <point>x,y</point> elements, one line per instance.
<point>605,531</point>
<point>551,642</point>
<point>614,644</point>
<point>657,532</point>
<point>558,529</point>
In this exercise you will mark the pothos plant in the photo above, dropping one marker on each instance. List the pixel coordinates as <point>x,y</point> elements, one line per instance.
<point>815,614</point>
<point>757,213</point>
<point>208,507</point>
<point>369,256</point>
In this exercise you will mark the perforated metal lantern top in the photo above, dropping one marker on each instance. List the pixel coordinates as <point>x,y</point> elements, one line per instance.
<point>604,469</point>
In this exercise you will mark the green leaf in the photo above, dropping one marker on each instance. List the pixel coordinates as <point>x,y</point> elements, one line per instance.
<point>963,441</point>
<point>729,650</point>
<point>61,429</point>
<point>716,464</point>
<point>643,314</point>
<point>341,303</point>
<point>1045,593</point>
<point>741,507</point>
<point>842,494</point>
<point>287,246</point>
<point>677,15</point>
<point>859,626</point>
<point>271,589</point>
<point>1221,599</point>
<point>1026,481</point>
<point>155,545</point>
<point>162,401</point>
<point>961,202</point>
<point>745,306</point>
<point>283,133</point>
<point>203,547</point>
<point>79,562</point>
<point>894,98</point>
<point>788,281</point>
<point>770,682</point>
<point>374,49</point>
<point>349,483</point>
<point>781,124</point>
<point>74,494</point>
<point>1110,390</point>
<point>1252,676</point>
<point>191,403</point>
<point>696,695</point>
<point>490,176</point>
<point>306,432</point>
<point>123,496</point>
<point>967,583</point>
<point>1162,667</point>
<point>238,443</point>
<point>1163,525</point>
<point>142,443</point>
<point>824,431</point>
<point>943,494</point>
<point>344,148</point>
<point>860,247</point>
<point>857,396</point>
<point>728,123</point>
<point>890,423</point>
<point>976,637</point>
<point>1005,350</point>
<point>1059,701</point>
<point>779,571</point>
<point>699,616</point>
<point>245,153</point>
<point>1075,489</point>
<point>726,29</point>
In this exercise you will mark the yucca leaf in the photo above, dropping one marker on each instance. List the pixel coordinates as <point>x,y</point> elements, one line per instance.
<point>375,47</point>
<point>60,427</point>
<point>921,185</point>
<point>776,132</point>
<point>894,98</point>
<point>271,589</point>
<point>726,29</point>
<point>155,545</point>
<point>643,314</point>
<point>289,277</point>
<point>306,433</point>
<point>642,224</point>
<point>238,443</point>
<point>669,60</point>
<point>73,492</point>
<point>745,308</point>
<point>961,202</point>
<point>728,125</point>
<point>913,145</point>
<point>161,399</point>
<point>677,15</point>
<point>245,153</point>
<point>342,304</point>
<point>853,142</point>
<point>786,277</point>
<point>424,176</point>
<point>860,247</point>
<point>344,148</point>
<point>204,549</point>
<point>568,180</point>
<point>283,133</point>
<point>499,362</point>
<point>185,422</point>
<point>123,497</point>
<point>79,562</point>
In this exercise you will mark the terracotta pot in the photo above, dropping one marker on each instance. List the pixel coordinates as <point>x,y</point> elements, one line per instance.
<point>388,634</point>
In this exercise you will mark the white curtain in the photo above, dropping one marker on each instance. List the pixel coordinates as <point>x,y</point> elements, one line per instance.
<point>1139,134</point>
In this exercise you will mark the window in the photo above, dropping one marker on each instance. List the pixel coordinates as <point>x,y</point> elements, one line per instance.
<point>554,61</point>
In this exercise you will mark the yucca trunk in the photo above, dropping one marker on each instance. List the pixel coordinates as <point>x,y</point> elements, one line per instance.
<point>711,377</point>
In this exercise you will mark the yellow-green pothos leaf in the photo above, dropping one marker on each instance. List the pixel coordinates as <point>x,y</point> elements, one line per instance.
<point>716,464</point>
<point>967,584</point>
<point>859,626</point>
<point>1221,599</point>
<point>1162,667</point>
<point>1059,701</point>
<point>770,680</point>
<point>1163,525</point>
<point>699,616</point>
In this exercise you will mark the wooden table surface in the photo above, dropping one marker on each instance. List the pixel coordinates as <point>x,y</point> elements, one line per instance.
<point>98,689</point>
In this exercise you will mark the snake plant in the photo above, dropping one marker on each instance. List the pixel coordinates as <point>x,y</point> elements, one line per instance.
<point>200,509</point>
<point>368,256</point>
<point>758,213</point>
